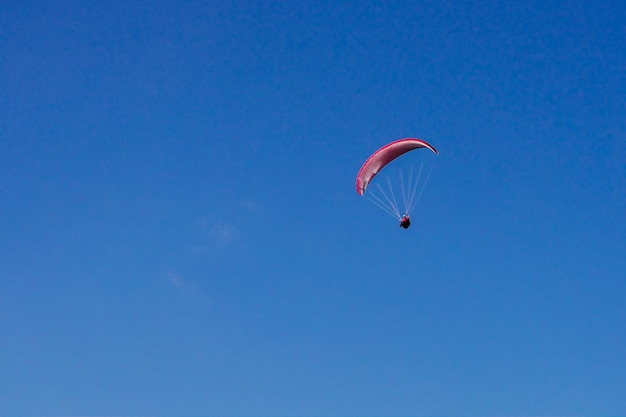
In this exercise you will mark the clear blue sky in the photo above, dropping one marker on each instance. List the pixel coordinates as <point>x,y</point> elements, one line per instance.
<point>180,234</point>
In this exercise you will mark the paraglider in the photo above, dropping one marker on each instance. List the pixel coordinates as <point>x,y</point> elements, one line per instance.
<point>379,160</point>
<point>405,221</point>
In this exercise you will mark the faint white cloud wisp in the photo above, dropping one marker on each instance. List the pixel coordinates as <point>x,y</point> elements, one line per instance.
<point>175,280</point>
<point>224,233</point>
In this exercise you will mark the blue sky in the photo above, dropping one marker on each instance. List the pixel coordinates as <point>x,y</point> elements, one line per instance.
<point>180,234</point>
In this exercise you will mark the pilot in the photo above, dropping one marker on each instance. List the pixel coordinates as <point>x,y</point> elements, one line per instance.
<point>405,221</point>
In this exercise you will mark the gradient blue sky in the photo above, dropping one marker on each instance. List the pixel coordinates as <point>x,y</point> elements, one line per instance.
<point>180,235</point>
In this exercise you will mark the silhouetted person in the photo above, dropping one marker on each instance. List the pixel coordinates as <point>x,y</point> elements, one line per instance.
<point>405,221</point>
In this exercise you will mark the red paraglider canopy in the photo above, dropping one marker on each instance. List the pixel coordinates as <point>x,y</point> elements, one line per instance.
<point>383,156</point>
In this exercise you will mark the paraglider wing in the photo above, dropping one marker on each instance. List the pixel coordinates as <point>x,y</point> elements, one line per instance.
<point>383,156</point>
